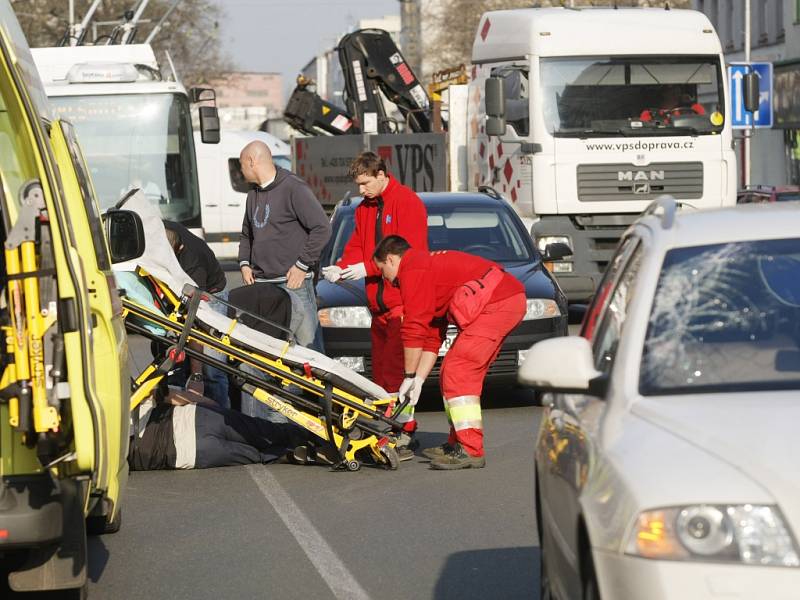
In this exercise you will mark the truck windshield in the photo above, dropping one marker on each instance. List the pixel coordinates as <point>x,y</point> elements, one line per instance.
<point>632,96</point>
<point>138,140</point>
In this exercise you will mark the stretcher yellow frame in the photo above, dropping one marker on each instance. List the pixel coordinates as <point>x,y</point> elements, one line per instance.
<point>380,447</point>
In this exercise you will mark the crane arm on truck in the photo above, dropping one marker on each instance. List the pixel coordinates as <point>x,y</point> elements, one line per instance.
<point>371,61</point>
<point>372,64</point>
<point>309,113</point>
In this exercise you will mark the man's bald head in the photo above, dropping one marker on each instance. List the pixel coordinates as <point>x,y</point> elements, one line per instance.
<point>256,161</point>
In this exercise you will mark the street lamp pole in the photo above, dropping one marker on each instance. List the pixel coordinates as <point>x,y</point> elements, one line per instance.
<point>747,131</point>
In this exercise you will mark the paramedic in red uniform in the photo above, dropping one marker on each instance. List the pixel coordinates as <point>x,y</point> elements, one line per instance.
<point>388,208</point>
<point>430,285</point>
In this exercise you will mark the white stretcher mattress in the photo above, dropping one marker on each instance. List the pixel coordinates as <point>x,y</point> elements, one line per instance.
<point>159,260</point>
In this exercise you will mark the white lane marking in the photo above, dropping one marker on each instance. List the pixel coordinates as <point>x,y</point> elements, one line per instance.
<point>332,570</point>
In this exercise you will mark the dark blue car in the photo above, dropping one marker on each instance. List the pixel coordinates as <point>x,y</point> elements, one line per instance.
<point>478,223</point>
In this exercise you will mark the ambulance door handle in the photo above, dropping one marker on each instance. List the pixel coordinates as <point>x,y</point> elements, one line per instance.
<point>235,205</point>
<point>211,205</point>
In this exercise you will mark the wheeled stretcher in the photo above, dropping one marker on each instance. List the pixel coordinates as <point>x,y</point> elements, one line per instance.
<point>337,405</point>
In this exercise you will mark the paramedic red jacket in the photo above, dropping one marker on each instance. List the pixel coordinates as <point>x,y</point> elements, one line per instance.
<point>401,213</point>
<point>427,281</point>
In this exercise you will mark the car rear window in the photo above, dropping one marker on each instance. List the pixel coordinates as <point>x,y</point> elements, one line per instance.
<point>725,317</point>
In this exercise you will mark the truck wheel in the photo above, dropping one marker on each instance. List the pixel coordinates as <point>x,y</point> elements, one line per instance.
<point>100,526</point>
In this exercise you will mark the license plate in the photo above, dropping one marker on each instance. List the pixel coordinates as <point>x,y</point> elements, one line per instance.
<point>449,339</point>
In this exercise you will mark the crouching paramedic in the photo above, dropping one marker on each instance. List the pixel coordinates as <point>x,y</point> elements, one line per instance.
<point>388,208</point>
<point>484,301</point>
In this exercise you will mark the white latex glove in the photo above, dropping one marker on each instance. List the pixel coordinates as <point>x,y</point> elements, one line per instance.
<point>411,388</point>
<point>332,273</point>
<point>353,272</point>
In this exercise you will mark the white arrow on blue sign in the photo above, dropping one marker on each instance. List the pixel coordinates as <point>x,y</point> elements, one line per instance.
<point>741,118</point>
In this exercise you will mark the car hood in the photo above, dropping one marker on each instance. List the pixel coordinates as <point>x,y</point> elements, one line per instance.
<point>538,284</point>
<point>756,433</point>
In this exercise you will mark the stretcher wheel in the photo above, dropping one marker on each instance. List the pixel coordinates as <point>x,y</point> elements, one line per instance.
<point>392,460</point>
<point>353,465</point>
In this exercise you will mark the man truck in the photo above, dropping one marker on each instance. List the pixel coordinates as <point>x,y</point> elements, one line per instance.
<point>579,118</point>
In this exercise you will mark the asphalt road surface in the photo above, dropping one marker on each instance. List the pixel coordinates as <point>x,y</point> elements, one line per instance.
<point>285,531</point>
<point>282,531</point>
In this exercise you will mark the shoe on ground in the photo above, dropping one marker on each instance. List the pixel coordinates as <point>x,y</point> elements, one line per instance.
<point>457,459</point>
<point>437,451</point>
<point>406,445</point>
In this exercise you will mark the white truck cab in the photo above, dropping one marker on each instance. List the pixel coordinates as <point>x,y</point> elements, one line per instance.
<point>134,126</point>
<point>223,190</point>
<point>581,117</point>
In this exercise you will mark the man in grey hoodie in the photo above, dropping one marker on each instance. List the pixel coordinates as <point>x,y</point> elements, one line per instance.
<point>283,233</point>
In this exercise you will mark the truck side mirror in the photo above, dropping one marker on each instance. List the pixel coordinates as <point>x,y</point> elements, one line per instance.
<point>495,106</point>
<point>751,91</point>
<point>495,97</point>
<point>209,124</point>
<point>209,117</point>
<point>125,235</point>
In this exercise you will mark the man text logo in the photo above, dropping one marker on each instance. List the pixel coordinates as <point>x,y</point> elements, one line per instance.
<point>640,176</point>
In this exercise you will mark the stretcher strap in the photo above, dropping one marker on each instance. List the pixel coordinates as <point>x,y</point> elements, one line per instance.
<point>327,411</point>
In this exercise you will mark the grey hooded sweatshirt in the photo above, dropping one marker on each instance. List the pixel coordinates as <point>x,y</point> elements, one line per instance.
<point>283,225</point>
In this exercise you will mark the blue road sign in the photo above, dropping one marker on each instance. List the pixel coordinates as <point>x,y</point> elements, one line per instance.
<point>740,118</point>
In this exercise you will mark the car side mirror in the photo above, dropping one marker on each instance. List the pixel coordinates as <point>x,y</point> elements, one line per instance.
<point>564,365</point>
<point>125,235</point>
<point>556,251</point>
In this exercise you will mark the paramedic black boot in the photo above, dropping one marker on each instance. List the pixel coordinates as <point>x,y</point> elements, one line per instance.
<point>406,444</point>
<point>437,451</point>
<point>458,459</point>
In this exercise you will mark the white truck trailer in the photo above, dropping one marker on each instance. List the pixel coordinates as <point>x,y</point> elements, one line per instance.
<point>581,117</point>
<point>134,124</point>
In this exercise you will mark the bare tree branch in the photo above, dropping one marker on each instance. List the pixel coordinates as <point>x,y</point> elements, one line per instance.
<point>190,35</point>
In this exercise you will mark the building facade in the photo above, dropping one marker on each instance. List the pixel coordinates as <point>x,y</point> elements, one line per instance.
<point>247,99</point>
<point>775,38</point>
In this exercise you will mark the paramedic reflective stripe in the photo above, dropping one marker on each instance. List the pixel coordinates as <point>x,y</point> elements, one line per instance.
<point>406,415</point>
<point>465,412</point>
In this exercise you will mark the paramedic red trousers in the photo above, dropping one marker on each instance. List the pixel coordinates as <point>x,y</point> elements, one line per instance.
<point>465,365</point>
<point>387,359</point>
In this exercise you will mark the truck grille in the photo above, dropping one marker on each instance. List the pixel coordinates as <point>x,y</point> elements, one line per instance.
<point>622,181</point>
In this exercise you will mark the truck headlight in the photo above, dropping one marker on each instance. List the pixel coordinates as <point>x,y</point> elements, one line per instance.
<point>745,533</point>
<point>539,308</point>
<point>345,316</point>
<point>541,242</point>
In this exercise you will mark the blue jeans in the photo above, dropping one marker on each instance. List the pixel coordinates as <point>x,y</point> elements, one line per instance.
<point>256,408</point>
<point>215,380</point>
<point>305,322</point>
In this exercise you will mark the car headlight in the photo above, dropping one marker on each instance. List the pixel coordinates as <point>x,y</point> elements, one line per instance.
<point>745,533</point>
<point>539,308</point>
<point>345,316</point>
<point>542,241</point>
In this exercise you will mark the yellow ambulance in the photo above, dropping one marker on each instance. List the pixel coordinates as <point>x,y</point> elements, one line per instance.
<point>64,386</point>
